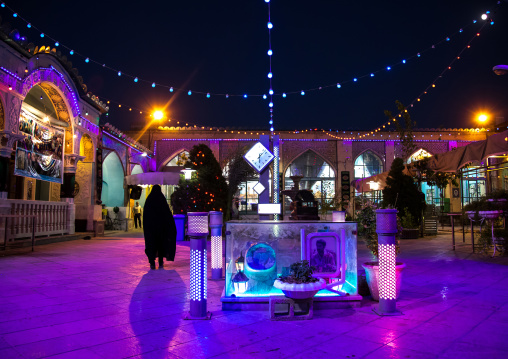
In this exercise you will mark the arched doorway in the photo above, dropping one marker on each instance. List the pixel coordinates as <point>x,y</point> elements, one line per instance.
<point>113,194</point>
<point>318,177</point>
<point>84,169</point>
<point>137,170</point>
<point>44,119</point>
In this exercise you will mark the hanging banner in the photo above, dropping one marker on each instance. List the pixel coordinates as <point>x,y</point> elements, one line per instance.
<point>40,154</point>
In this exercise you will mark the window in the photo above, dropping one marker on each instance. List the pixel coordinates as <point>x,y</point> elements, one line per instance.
<point>367,164</point>
<point>318,177</point>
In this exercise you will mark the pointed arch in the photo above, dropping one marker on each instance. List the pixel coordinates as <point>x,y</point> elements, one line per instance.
<point>86,148</point>
<point>113,174</point>
<point>173,157</point>
<point>318,175</point>
<point>367,164</point>
<point>419,155</point>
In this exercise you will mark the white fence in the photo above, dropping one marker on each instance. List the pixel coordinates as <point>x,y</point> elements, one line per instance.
<point>53,218</point>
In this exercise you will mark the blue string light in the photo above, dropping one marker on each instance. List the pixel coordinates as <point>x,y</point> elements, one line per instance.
<point>136,79</point>
<point>269,52</point>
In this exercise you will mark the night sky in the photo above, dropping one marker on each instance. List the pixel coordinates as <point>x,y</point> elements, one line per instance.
<point>220,47</point>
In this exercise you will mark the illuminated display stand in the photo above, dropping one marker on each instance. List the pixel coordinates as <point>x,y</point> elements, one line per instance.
<point>257,252</point>
<point>197,230</point>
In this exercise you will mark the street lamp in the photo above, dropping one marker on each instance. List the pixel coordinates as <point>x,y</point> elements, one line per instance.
<point>500,69</point>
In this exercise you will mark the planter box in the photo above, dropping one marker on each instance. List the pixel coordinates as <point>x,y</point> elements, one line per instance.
<point>410,233</point>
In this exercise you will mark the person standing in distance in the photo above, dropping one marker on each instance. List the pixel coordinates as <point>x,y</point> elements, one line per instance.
<point>137,210</point>
<point>159,228</point>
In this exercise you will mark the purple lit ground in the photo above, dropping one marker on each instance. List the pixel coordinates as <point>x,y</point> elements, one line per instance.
<point>98,299</point>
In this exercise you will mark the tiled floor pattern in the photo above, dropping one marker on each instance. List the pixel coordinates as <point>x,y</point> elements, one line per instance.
<point>98,299</point>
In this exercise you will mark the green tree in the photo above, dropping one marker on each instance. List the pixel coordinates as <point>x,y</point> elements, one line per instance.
<point>207,190</point>
<point>406,131</point>
<point>402,192</point>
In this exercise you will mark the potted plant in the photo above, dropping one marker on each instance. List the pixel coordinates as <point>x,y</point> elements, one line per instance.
<point>409,226</point>
<point>300,284</point>
<point>366,218</point>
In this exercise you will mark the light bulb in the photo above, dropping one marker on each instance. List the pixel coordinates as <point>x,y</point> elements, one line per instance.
<point>270,92</point>
<point>153,84</point>
<point>171,89</point>
<point>270,52</point>
<point>42,34</point>
<point>119,73</point>
<point>302,93</point>
<point>264,97</point>
<point>270,104</point>
<point>355,79</point>
<point>135,79</point>
<point>245,96</point>
<point>87,60</point>
<point>403,61</point>
<point>208,95</point>
<point>371,75</point>
<point>29,25</point>
<point>271,129</point>
<point>57,43</point>
<point>270,25</point>
<point>388,68</point>
<point>484,16</point>
<point>338,86</point>
<point>71,52</point>
<point>283,95</point>
<point>189,93</point>
<point>270,75</point>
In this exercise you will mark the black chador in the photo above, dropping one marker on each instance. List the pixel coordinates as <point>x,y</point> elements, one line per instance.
<point>159,228</point>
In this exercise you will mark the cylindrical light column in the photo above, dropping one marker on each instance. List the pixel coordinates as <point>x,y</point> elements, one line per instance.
<point>197,230</point>
<point>216,229</point>
<point>386,229</point>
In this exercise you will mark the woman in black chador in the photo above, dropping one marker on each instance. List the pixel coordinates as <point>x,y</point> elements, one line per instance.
<point>159,228</point>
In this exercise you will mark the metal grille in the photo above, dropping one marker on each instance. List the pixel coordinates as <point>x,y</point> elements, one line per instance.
<point>216,252</point>
<point>198,224</point>
<point>387,276</point>
<point>196,275</point>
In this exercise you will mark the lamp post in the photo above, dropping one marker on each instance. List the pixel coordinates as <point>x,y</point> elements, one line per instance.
<point>197,229</point>
<point>216,227</point>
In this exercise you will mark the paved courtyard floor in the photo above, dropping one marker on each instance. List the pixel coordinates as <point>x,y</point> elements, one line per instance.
<point>98,299</point>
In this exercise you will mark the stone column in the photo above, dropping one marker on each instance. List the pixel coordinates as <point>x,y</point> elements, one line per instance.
<point>67,189</point>
<point>7,141</point>
<point>389,154</point>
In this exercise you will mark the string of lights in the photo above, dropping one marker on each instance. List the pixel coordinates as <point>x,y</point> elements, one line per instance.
<point>209,94</point>
<point>431,86</point>
<point>270,53</point>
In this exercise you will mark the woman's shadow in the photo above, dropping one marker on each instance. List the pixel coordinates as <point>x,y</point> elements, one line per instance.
<point>155,311</point>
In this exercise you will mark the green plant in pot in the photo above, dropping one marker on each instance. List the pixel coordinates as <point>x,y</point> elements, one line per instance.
<point>366,218</point>
<point>300,284</point>
<point>409,226</point>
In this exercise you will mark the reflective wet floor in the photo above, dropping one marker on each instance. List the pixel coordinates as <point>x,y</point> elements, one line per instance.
<point>99,299</point>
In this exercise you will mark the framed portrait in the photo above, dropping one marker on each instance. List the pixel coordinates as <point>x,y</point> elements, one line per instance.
<point>455,193</point>
<point>323,251</point>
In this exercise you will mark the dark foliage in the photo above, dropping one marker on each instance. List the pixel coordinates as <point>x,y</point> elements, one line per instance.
<point>207,190</point>
<point>301,272</point>
<point>402,192</point>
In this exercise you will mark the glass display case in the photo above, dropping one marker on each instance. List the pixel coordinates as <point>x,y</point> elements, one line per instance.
<point>257,252</point>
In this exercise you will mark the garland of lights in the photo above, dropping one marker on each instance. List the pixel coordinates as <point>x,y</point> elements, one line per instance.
<point>338,85</point>
<point>418,98</point>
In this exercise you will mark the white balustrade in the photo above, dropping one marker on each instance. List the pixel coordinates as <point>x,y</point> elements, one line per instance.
<point>52,218</point>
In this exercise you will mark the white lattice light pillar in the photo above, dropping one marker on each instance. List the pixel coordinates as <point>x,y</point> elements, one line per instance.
<point>386,229</point>
<point>197,230</point>
<point>216,229</point>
